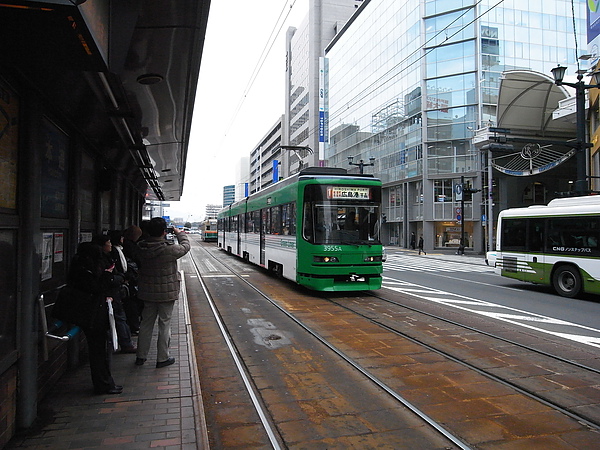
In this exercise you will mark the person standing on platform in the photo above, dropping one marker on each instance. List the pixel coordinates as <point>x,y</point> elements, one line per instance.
<point>158,287</point>
<point>123,332</point>
<point>133,306</point>
<point>90,274</point>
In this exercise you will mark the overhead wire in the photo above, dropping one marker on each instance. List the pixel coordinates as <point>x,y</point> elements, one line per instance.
<point>261,60</point>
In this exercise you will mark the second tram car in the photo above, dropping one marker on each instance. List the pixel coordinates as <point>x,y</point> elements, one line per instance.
<point>319,228</point>
<point>208,230</point>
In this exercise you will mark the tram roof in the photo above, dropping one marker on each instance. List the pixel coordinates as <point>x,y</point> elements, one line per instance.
<point>124,73</point>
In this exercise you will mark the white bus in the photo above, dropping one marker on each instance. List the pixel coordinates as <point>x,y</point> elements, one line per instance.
<point>555,245</point>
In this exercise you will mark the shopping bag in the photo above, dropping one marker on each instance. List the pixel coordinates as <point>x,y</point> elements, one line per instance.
<point>113,326</point>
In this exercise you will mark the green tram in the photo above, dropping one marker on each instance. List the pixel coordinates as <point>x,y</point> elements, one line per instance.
<point>319,228</point>
<point>556,244</point>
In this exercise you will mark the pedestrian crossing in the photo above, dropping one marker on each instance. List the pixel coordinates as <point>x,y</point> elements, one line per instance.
<point>429,263</point>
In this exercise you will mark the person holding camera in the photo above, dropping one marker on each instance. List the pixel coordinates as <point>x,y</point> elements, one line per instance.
<point>158,287</point>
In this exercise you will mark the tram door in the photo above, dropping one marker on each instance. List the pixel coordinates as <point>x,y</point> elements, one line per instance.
<point>263,232</point>
<point>240,224</point>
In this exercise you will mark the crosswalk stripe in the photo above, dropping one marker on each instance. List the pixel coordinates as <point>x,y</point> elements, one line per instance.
<point>544,324</point>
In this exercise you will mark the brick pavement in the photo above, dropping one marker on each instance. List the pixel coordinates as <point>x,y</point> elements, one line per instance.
<point>159,408</point>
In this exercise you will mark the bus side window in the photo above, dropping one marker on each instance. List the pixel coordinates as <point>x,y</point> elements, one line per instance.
<point>536,235</point>
<point>513,234</point>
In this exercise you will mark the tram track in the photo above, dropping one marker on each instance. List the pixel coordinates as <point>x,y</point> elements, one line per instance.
<point>275,437</point>
<point>380,375</point>
<point>592,422</point>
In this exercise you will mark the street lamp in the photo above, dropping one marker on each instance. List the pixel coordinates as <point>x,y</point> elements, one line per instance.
<point>581,185</point>
<point>361,164</point>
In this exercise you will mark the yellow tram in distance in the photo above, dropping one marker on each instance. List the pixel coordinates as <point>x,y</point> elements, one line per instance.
<point>208,230</point>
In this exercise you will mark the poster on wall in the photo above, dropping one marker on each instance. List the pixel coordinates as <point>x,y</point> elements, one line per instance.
<point>54,171</point>
<point>85,236</point>
<point>47,241</point>
<point>58,247</point>
<point>9,142</point>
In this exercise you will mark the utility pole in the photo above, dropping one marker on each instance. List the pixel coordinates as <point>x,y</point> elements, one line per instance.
<point>465,189</point>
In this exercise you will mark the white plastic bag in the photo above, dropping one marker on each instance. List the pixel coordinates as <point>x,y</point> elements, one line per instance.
<point>113,326</point>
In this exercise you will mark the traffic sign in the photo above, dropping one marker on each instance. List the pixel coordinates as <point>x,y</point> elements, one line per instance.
<point>458,192</point>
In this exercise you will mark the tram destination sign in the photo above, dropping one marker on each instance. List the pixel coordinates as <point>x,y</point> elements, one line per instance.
<point>348,192</point>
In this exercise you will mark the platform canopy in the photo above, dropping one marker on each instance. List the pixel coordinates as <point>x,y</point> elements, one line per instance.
<point>122,72</point>
<point>526,101</point>
<point>528,139</point>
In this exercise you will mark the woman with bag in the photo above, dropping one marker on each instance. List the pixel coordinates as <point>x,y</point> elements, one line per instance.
<point>89,275</point>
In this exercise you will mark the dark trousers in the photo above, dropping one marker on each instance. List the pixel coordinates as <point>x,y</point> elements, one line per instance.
<point>100,358</point>
<point>123,330</point>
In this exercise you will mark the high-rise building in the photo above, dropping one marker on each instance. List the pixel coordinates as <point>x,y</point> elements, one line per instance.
<point>410,81</point>
<point>265,160</point>
<point>212,211</point>
<point>304,129</point>
<point>228,194</point>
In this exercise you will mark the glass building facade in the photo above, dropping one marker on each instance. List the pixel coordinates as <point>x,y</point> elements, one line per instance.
<point>409,81</point>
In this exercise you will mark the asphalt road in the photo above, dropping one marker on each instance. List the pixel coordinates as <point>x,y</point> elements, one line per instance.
<point>467,282</point>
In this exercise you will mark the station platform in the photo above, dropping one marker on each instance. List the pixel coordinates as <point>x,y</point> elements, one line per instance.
<point>158,409</point>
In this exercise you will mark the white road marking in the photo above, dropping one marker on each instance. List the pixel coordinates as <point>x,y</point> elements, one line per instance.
<point>544,324</point>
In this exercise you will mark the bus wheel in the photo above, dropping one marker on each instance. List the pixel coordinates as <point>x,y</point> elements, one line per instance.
<point>567,281</point>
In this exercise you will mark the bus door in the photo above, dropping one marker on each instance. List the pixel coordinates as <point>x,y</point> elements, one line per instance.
<point>513,262</point>
<point>535,251</point>
<point>263,232</point>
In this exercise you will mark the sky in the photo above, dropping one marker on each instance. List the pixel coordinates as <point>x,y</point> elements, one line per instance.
<point>240,94</point>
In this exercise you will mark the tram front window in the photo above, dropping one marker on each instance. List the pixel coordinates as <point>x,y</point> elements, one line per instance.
<point>341,224</point>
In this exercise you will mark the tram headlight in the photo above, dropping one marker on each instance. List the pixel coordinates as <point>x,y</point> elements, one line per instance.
<point>325,259</point>
<point>377,258</point>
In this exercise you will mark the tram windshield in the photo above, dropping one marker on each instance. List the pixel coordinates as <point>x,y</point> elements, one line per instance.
<point>351,222</point>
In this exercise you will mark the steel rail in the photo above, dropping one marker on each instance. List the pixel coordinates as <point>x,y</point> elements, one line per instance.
<point>588,422</point>
<point>270,429</point>
<point>431,422</point>
<point>485,333</point>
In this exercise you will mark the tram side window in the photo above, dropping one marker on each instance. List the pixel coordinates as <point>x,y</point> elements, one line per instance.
<point>513,234</point>
<point>275,226</point>
<point>234,224</point>
<point>255,218</point>
<point>288,219</point>
<point>266,220</point>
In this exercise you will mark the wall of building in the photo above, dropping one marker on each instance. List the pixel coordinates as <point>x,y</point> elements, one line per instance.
<point>57,190</point>
<point>409,81</point>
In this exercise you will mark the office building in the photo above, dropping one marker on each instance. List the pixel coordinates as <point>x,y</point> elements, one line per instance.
<point>409,83</point>
<point>265,159</point>
<point>228,194</point>
<point>305,129</point>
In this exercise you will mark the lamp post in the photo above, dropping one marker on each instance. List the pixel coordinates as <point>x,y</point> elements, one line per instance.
<point>361,164</point>
<point>581,185</point>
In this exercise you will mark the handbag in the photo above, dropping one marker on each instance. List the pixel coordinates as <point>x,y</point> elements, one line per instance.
<point>76,307</point>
